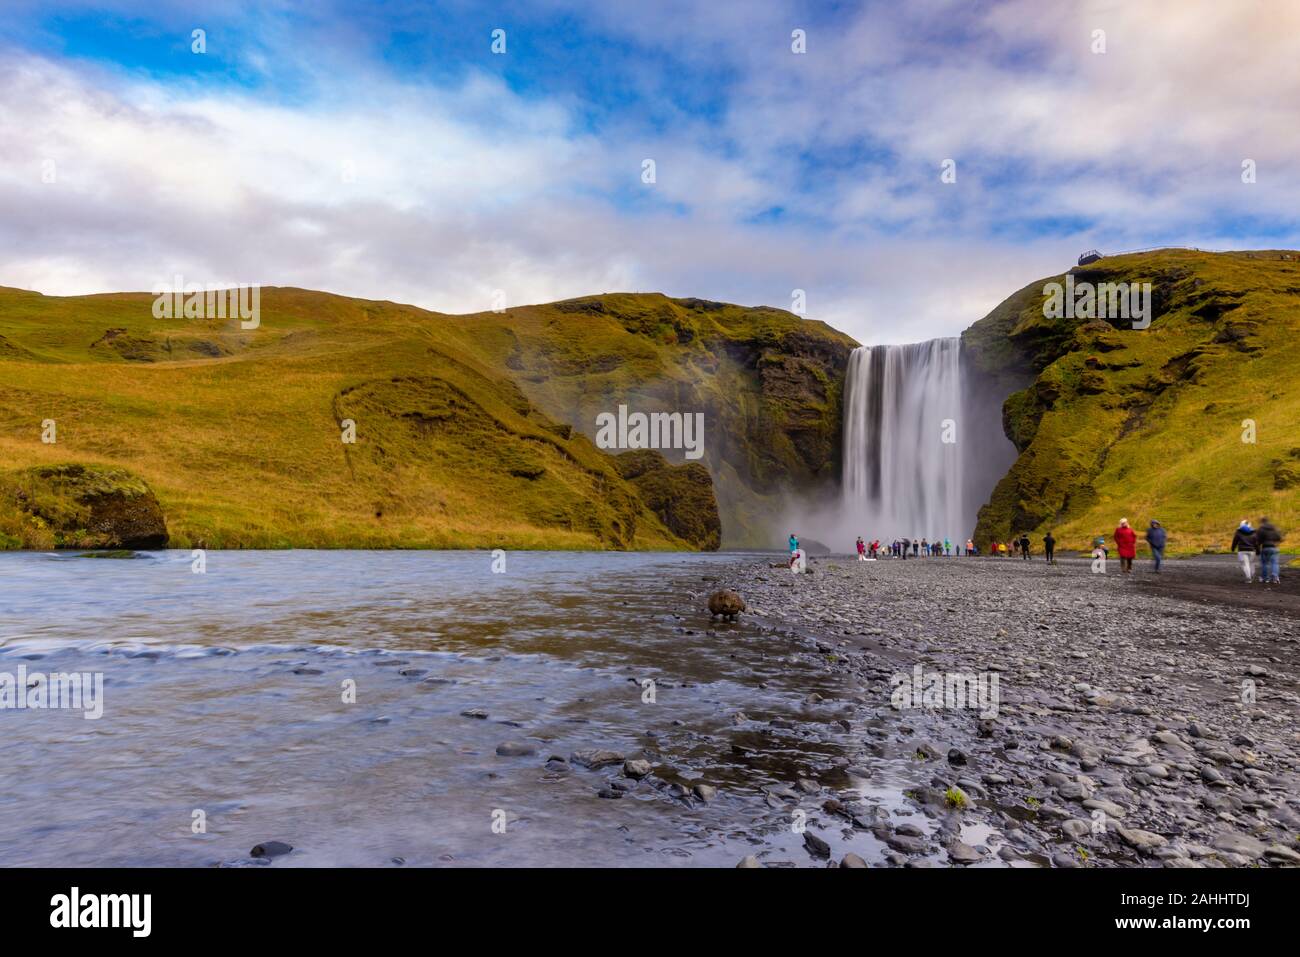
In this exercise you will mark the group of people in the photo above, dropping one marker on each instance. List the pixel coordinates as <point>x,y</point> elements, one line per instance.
<point>1126,544</point>
<point>1021,546</point>
<point>1264,542</point>
<point>914,548</point>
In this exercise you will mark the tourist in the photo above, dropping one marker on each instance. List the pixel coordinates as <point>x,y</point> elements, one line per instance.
<point>1024,546</point>
<point>1049,547</point>
<point>794,543</point>
<point>970,546</point>
<point>1126,543</point>
<point>916,548</point>
<point>1156,538</point>
<point>907,547</point>
<point>1268,538</point>
<point>1245,545</point>
<point>947,548</point>
<point>925,548</point>
<point>862,549</point>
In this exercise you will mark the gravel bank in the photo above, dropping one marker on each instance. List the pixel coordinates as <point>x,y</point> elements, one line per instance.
<point>1138,720</point>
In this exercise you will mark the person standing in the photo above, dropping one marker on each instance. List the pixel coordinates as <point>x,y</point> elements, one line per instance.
<point>1049,547</point>
<point>1268,538</point>
<point>1024,546</point>
<point>862,549</point>
<point>794,543</point>
<point>1156,538</point>
<point>907,547</point>
<point>1245,545</point>
<point>1126,544</point>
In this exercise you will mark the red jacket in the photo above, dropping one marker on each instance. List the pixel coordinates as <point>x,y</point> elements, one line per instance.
<point>1126,542</point>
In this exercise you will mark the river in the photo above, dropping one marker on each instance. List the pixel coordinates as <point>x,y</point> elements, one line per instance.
<point>225,722</point>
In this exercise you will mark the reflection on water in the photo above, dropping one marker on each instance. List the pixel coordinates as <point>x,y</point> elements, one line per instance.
<point>224,694</point>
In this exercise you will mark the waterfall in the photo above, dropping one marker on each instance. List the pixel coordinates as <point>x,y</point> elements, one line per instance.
<point>904,443</point>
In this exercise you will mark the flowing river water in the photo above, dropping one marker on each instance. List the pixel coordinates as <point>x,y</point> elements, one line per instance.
<point>224,692</point>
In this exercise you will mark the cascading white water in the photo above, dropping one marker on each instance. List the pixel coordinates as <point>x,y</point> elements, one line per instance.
<point>903,444</point>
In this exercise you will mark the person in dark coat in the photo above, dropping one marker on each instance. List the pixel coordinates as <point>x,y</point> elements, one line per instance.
<point>1245,545</point>
<point>1049,547</point>
<point>1024,546</point>
<point>1268,538</point>
<point>1156,539</point>
<point>1126,544</point>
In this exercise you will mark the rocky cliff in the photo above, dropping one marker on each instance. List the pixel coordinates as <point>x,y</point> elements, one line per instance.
<point>1193,420</point>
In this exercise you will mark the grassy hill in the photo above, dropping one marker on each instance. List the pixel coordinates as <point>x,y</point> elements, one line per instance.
<point>768,383</point>
<point>1119,422</point>
<point>471,431</point>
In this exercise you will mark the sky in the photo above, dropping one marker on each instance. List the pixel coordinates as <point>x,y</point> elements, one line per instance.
<point>386,150</point>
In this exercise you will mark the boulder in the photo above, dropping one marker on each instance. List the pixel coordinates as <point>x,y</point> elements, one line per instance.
<point>726,603</point>
<point>83,506</point>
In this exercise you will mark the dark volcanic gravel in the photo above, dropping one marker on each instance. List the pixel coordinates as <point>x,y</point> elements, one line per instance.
<point>1140,720</point>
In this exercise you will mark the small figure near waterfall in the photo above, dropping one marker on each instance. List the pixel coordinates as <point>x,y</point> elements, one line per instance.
<point>1024,546</point>
<point>1156,538</point>
<point>1049,547</point>
<point>1126,543</point>
<point>1243,543</point>
<point>794,543</point>
<point>1268,538</point>
<point>862,549</point>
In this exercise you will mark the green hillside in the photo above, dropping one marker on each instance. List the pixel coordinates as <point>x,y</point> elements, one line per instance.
<point>471,431</point>
<point>768,383</point>
<point>1121,422</point>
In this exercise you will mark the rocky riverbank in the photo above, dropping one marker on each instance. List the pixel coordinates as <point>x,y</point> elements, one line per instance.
<point>1129,725</point>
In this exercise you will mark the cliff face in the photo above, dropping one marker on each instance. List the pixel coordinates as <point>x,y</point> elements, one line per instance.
<point>1194,421</point>
<point>349,423</point>
<point>768,384</point>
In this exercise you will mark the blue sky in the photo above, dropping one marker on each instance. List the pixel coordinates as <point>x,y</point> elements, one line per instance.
<point>383,149</point>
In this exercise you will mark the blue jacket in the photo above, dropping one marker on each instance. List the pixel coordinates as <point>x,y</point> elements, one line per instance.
<point>1156,537</point>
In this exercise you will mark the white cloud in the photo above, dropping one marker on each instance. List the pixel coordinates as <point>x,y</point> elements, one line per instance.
<point>392,190</point>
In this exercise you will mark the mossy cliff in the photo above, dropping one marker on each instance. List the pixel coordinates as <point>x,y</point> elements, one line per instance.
<point>342,422</point>
<point>768,383</point>
<point>1194,421</point>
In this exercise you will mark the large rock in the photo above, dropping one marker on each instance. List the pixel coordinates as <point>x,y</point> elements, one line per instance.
<point>82,506</point>
<point>681,495</point>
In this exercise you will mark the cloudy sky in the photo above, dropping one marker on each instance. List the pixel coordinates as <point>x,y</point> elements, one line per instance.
<point>382,149</point>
